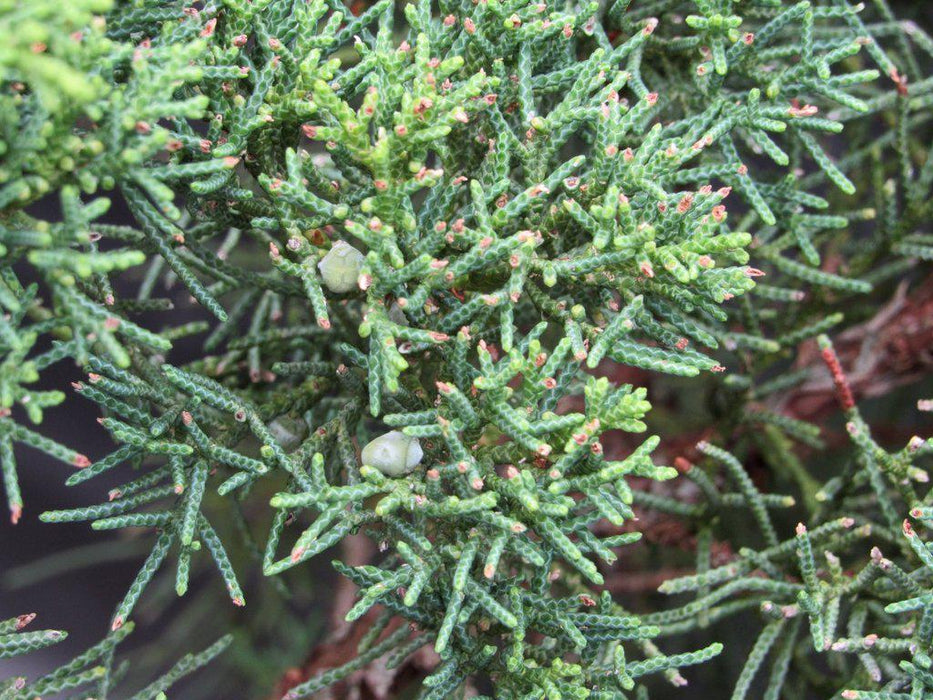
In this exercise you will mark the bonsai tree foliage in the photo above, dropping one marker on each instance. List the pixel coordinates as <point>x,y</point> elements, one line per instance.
<point>413,272</point>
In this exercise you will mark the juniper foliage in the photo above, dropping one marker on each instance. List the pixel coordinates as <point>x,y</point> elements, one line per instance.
<point>434,226</point>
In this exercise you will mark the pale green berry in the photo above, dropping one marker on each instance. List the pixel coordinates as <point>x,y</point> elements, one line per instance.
<point>289,432</point>
<point>340,268</point>
<point>394,454</point>
<point>396,315</point>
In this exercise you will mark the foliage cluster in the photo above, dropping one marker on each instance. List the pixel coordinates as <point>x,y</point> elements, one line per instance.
<point>445,230</point>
